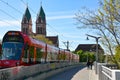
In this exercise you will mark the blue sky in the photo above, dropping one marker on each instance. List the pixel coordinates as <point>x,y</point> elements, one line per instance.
<point>59,14</point>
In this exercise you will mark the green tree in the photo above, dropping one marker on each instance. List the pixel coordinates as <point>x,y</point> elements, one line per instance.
<point>117,53</point>
<point>42,38</point>
<point>85,56</point>
<point>106,22</point>
<point>90,55</point>
<point>80,53</point>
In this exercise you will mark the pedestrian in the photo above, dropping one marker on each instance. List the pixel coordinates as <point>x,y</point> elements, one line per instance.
<point>88,64</point>
<point>91,63</point>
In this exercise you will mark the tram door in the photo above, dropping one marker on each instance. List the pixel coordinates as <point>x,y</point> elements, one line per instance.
<point>26,55</point>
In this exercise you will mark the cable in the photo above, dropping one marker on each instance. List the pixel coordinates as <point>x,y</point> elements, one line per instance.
<point>11,6</point>
<point>36,14</point>
<point>8,14</point>
<point>56,31</point>
<point>63,37</point>
<point>23,2</point>
<point>28,7</point>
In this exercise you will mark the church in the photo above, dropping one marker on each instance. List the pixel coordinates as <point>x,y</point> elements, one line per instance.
<point>26,26</point>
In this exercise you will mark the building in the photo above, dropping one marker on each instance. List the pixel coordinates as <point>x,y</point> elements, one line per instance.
<point>91,48</point>
<point>54,40</point>
<point>26,26</point>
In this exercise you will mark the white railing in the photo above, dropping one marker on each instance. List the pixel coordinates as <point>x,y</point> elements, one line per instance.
<point>105,73</point>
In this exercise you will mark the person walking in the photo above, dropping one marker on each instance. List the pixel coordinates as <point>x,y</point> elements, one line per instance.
<point>91,63</point>
<point>88,64</point>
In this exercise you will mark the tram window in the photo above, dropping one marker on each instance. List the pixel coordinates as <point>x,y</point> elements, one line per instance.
<point>26,46</point>
<point>32,51</point>
<point>26,51</point>
<point>39,53</point>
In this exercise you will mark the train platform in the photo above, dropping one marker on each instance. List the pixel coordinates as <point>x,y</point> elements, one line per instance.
<point>78,73</point>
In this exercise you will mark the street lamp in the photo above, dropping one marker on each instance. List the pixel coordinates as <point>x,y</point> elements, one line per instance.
<point>96,38</point>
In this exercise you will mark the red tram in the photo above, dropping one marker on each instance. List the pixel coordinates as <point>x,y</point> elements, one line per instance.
<point>20,49</point>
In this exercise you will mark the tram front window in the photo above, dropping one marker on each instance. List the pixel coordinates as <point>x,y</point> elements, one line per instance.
<point>11,50</point>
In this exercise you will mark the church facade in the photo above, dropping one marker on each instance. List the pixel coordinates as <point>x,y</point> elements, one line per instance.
<point>26,26</point>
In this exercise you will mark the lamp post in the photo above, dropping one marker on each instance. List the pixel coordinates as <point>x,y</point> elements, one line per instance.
<point>96,38</point>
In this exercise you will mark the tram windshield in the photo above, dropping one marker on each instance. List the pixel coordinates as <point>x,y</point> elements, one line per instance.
<point>11,50</point>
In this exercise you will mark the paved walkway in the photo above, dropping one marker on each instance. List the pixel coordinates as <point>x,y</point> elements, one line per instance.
<point>85,74</point>
<point>78,73</point>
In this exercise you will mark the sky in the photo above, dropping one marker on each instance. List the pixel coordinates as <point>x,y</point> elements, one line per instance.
<point>59,17</point>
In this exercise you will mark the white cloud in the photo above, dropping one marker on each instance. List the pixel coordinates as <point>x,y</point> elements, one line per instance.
<point>6,23</point>
<point>60,17</point>
<point>1,37</point>
<point>61,12</point>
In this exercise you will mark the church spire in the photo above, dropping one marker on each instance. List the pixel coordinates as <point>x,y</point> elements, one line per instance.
<point>42,14</point>
<point>26,24</point>
<point>41,22</point>
<point>27,14</point>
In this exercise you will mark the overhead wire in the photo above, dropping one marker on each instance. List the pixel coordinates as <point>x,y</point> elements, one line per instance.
<point>63,37</point>
<point>55,30</point>
<point>23,2</point>
<point>6,3</point>
<point>8,14</point>
<point>36,14</point>
<point>26,4</point>
<point>22,13</point>
<point>11,6</point>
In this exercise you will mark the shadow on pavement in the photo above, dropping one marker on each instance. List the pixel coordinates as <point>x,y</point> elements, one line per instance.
<point>67,74</point>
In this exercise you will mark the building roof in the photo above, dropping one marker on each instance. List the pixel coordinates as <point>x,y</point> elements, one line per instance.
<point>41,14</point>
<point>54,40</point>
<point>88,47</point>
<point>27,14</point>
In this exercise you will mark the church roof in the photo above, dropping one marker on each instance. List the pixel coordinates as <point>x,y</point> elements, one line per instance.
<point>88,47</point>
<point>27,14</point>
<point>41,13</point>
<point>54,39</point>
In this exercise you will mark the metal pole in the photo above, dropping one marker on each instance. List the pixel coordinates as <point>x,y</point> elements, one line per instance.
<point>96,55</point>
<point>66,44</point>
<point>96,49</point>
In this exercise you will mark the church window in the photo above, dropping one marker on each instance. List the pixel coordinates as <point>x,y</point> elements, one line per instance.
<point>25,20</point>
<point>41,21</point>
<point>40,30</point>
<point>37,21</point>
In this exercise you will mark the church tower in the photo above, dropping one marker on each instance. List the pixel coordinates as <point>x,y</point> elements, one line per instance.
<point>26,24</point>
<point>41,23</point>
